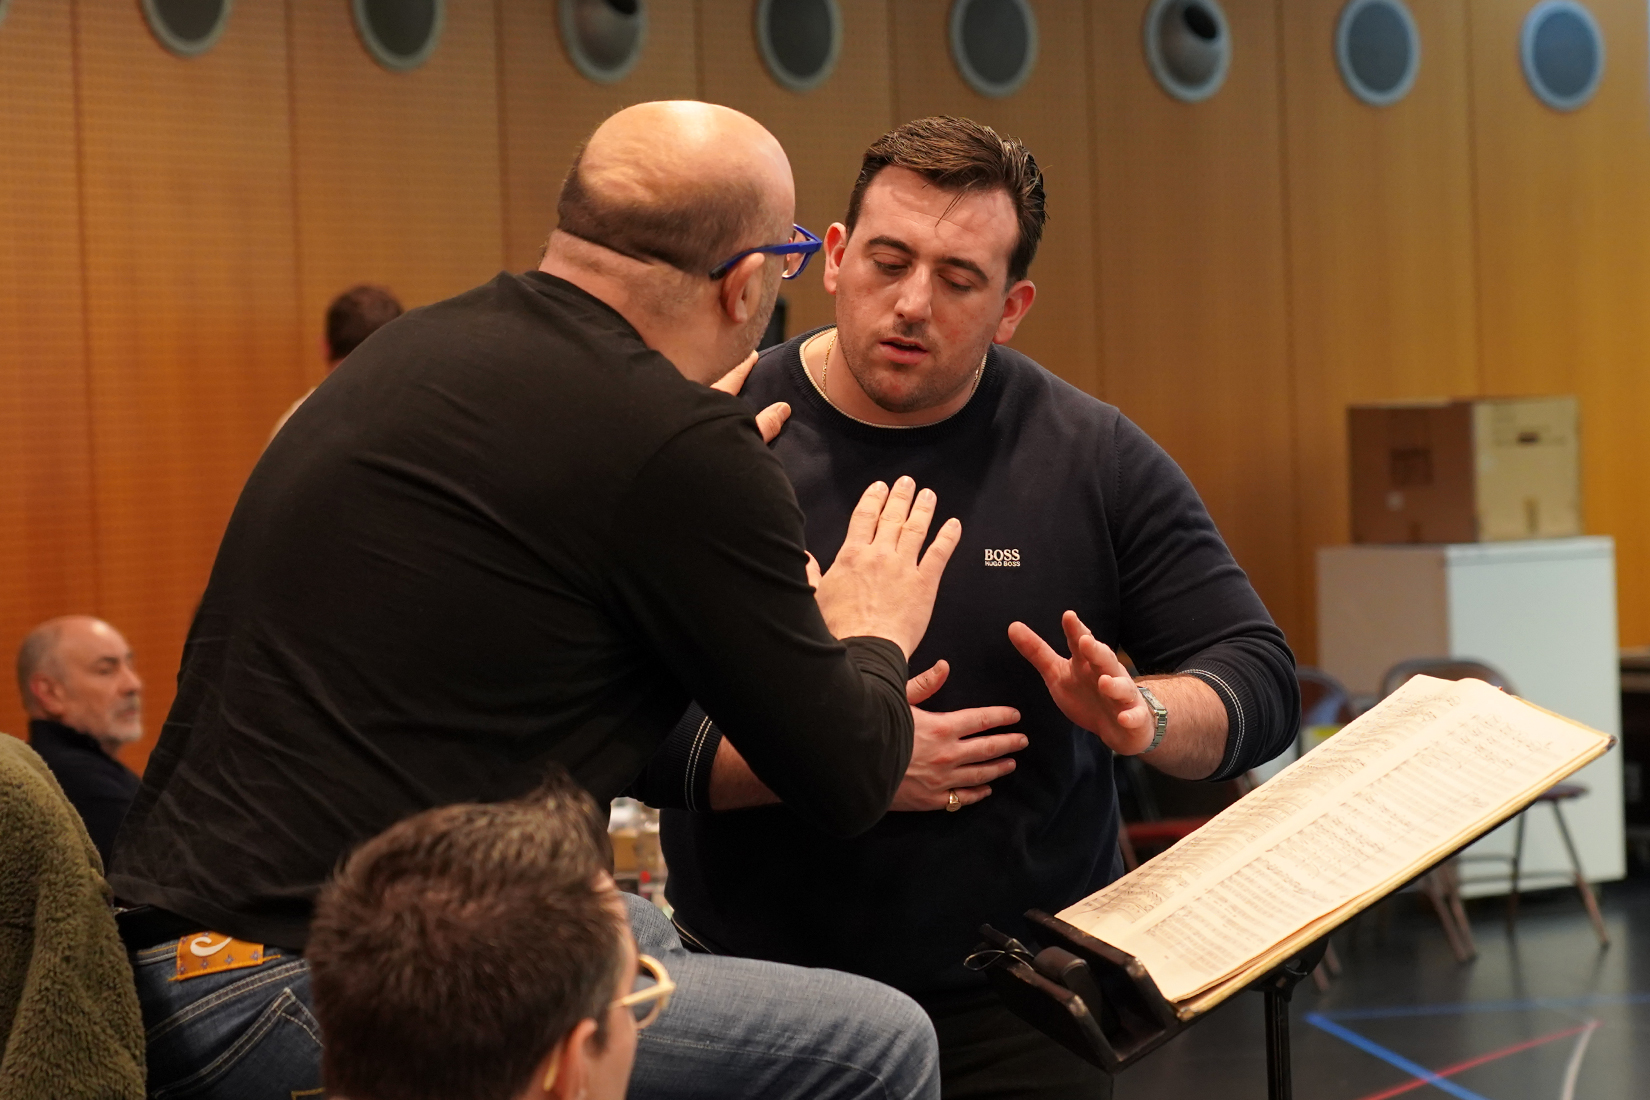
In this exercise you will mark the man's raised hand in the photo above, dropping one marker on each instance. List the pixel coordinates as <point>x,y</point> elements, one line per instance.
<point>1091,687</point>
<point>945,754</point>
<point>879,586</point>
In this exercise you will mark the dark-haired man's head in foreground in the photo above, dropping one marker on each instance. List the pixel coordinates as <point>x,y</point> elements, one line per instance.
<point>478,952</point>
<point>929,266</point>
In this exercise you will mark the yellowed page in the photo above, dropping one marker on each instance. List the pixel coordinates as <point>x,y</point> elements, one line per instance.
<point>1432,766</point>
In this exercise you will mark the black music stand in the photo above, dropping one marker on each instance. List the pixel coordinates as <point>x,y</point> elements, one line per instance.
<point>1100,1003</point>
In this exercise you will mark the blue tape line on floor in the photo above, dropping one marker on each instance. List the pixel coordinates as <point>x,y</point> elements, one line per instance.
<point>1462,1008</point>
<point>1369,1046</point>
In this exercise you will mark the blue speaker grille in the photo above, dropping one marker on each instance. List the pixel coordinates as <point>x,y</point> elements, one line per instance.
<point>190,20</point>
<point>1379,48</point>
<point>995,39</point>
<point>404,28</point>
<point>799,32</point>
<point>1566,53</point>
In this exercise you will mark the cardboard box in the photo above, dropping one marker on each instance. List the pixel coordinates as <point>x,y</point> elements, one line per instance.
<point>1479,470</point>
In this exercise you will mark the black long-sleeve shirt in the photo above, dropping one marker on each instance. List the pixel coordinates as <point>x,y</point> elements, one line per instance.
<point>1064,504</point>
<point>503,533</point>
<point>98,786</point>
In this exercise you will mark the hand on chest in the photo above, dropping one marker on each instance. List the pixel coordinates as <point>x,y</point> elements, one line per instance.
<point>1031,548</point>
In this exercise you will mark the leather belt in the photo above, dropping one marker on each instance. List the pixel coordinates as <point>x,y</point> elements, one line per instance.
<point>146,926</point>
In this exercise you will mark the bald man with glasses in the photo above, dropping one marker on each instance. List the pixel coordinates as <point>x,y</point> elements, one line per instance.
<point>519,528</point>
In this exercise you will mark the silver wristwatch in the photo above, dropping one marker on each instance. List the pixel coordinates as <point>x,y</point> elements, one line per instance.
<point>1160,717</point>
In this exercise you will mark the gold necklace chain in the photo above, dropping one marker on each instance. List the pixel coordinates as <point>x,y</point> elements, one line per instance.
<point>825,382</point>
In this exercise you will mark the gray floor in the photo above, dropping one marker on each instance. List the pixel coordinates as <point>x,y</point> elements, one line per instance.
<point>1540,1015</point>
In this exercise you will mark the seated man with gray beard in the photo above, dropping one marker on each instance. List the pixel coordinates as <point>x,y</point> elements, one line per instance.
<point>84,700</point>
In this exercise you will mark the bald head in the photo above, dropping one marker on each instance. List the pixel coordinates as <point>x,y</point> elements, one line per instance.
<point>78,670</point>
<point>682,183</point>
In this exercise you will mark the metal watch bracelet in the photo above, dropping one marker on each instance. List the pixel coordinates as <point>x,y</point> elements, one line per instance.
<point>1160,717</point>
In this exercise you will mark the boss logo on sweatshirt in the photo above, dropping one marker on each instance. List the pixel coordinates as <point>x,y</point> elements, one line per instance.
<point>1003,559</point>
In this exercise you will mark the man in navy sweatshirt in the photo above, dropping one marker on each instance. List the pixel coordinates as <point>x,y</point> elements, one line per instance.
<point>1078,530</point>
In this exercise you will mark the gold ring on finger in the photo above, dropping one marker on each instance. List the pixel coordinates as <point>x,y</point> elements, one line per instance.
<point>952,802</point>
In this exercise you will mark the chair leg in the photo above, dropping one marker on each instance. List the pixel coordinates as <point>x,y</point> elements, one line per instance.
<point>1434,892</point>
<point>1512,885</point>
<point>1587,897</point>
<point>1328,967</point>
<point>1452,880</point>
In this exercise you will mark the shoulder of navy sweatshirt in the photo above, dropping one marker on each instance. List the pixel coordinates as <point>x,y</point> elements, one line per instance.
<point>1064,504</point>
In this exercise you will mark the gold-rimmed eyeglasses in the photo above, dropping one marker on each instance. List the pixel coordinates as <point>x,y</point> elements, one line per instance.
<point>651,994</point>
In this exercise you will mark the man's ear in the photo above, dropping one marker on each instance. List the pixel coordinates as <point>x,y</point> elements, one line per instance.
<point>47,694</point>
<point>1015,307</point>
<point>742,288</point>
<point>565,1071</point>
<point>836,245</point>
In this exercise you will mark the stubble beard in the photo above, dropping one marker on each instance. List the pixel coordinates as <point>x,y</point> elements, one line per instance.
<point>751,334</point>
<point>939,384</point>
<point>126,724</point>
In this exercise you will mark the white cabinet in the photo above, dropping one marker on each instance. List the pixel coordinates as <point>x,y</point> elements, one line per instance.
<point>1543,611</point>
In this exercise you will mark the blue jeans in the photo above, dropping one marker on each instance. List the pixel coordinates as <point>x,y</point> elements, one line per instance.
<point>734,1028</point>
<point>738,1027</point>
<point>237,1033</point>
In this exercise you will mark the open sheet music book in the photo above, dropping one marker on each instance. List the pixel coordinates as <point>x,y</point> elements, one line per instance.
<point>1435,765</point>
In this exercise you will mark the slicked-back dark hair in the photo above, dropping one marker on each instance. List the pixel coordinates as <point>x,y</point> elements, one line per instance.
<point>356,314</point>
<point>961,156</point>
<point>694,229</point>
<point>452,952</point>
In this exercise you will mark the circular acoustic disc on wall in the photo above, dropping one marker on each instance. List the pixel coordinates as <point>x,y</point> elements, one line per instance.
<point>1378,48</point>
<point>186,27</point>
<point>994,44</point>
<point>603,38</point>
<point>400,34</point>
<point>1562,50</point>
<point>799,40</point>
<point>1188,47</point>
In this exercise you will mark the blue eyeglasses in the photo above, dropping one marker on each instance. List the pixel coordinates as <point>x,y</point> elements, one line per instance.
<point>795,253</point>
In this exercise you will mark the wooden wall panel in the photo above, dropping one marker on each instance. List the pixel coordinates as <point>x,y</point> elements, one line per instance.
<point>1191,270</point>
<point>549,108</point>
<point>1381,251</point>
<point>1564,262</point>
<point>190,303</point>
<point>171,231</point>
<point>824,131</point>
<point>397,174</point>
<point>48,551</point>
<point>1050,115</point>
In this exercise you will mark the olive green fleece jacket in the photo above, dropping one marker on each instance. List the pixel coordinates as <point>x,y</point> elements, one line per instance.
<point>69,1017</point>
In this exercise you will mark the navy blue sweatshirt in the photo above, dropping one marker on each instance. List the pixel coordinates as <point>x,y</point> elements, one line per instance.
<point>1064,504</point>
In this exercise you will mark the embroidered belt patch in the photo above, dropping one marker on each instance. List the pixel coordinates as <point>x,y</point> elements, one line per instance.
<point>210,953</point>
